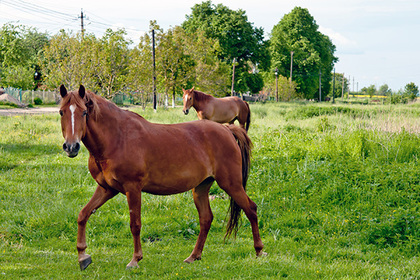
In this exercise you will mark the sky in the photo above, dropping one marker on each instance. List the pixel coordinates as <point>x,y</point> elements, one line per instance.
<point>377,41</point>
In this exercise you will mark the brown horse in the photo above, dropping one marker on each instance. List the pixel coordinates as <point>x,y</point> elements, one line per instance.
<point>221,110</point>
<point>130,155</point>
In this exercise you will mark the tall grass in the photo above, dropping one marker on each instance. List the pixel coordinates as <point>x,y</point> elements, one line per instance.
<point>337,189</point>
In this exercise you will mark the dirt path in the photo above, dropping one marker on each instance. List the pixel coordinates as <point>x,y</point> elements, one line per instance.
<point>28,111</point>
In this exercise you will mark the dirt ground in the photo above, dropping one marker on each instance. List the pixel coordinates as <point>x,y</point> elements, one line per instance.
<point>28,111</point>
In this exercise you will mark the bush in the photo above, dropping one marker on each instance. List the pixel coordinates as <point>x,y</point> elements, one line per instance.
<point>37,101</point>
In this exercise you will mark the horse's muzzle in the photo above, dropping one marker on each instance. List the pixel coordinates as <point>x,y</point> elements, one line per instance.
<point>186,111</point>
<point>72,150</point>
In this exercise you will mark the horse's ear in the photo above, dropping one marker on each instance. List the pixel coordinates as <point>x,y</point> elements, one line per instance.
<point>192,88</point>
<point>63,91</point>
<point>82,91</point>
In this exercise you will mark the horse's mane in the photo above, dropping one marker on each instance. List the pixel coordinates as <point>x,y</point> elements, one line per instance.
<point>201,96</point>
<point>93,102</point>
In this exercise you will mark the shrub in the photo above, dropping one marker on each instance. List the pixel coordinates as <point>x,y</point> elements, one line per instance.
<point>37,101</point>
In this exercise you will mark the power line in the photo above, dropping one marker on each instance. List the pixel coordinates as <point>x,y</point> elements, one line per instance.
<point>56,20</point>
<point>34,9</point>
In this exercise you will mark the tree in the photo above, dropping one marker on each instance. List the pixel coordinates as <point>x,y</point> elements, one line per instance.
<point>19,48</point>
<point>313,51</point>
<point>174,64</point>
<point>384,90</point>
<point>71,60</point>
<point>340,89</point>
<point>371,90</point>
<point>254,81</point>
<point>99,65</point>
<point>237,37</point>
<point>140,68</point>
<point>183,60</point>
<point>286,88</point>
<point>209,73</point>
<point>411,90</point>
<point>113,58</point>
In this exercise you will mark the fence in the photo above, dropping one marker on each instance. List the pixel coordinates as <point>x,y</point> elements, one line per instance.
<point>137,98</point>
<point>29,96</point>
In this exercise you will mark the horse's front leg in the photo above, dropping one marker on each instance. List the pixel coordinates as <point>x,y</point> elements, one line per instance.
<point>201,200</point>
<point>134,205</point>
<point>100,196</point>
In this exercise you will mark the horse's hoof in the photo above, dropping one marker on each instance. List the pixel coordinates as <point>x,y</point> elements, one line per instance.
<point>128,267</point>
<point>191,260</point>
<point>85,263</point>
<point>262,254</point>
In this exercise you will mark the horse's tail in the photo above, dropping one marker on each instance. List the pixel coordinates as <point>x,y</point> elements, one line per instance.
<point>245,145</point>
<point>248,118</point>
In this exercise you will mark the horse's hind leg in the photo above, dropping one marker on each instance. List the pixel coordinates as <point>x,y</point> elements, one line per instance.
<point>238,194</point>
<point>100,196</point>
<point>201,200</point>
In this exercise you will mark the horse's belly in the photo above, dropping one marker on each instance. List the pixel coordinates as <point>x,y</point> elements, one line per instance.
<point>164,190</point>
<point>174,182</point>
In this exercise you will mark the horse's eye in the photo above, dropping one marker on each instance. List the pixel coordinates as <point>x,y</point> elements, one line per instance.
<point>84,113</point>
<point>61,113</point>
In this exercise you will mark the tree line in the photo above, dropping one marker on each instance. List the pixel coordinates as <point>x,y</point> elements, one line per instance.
<point>203,51</point>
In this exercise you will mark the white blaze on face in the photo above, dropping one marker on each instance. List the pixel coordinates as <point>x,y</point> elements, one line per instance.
<point>186,97</point>
<point>72,109</point>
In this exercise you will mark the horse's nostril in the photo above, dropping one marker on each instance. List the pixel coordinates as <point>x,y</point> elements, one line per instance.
<point>77,146</point>
<point>65,146</point>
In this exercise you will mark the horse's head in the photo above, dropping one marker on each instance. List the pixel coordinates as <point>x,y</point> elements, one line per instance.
<point>188,99</point>
<point>73,113</point>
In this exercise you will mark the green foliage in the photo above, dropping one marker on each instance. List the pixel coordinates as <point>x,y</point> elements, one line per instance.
<point>237,37</point>
<point>341,86</point>
<point>286,89</point>
<point>7,104</point>
<point>190,59</point>
<point>297,32</point>
<point>71,61</point>
<point>371,90</point>
<point>19,48</point>
<point>411,91</point>
<point>384,90</point>
<point>113,56</point>
<point>409,94</point>
<point>37,101</point>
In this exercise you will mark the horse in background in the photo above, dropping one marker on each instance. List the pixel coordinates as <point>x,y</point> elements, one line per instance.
<point>221,110</point>
<point>129,155</point>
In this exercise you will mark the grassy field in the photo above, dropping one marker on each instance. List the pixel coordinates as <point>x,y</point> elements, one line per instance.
<point>338,191</point>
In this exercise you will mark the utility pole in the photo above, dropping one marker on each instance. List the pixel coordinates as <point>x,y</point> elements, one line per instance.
<point>232,93</point>
<point>320,85</point>
<point>348,96</point>
<point>291,73</point>
<point>333,101</point>
<point>342,89</point>
<point>81,23</point>
<point>154,70</point>
<point>277,84</point>
<point>291,65</point>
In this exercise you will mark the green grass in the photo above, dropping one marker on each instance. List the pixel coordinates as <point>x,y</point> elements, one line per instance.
<point>337,189</point>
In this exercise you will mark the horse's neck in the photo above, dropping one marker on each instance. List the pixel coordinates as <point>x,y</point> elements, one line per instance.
<point>200,100</point>
<point>102,133</point>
